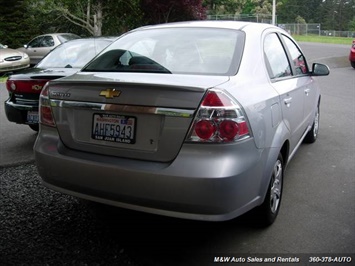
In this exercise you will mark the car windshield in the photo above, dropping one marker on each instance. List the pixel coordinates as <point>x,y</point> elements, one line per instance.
<point>204,51</point>
<point>2,46</point>
<point>73,54</point>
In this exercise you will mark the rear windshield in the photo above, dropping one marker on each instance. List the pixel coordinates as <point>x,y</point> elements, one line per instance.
<point>67,37</point>
<point>204,51</point>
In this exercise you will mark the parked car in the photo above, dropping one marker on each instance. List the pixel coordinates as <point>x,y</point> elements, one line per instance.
<point>195,120</point>
<point>24,87</point>
<point>352,54</point>
<point>41,45</point>
<point>11,59</point>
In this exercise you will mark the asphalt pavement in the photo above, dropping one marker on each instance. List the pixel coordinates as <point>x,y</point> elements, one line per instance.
<point>16,141</point>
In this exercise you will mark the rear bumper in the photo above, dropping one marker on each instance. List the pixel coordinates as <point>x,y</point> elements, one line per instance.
<point>10,67</point>
<point>201,183</point>
<point>17,113</point>
<point>352,55</point>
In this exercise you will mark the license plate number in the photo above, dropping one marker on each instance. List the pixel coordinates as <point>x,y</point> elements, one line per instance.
<point>114,128</point>
<point>32,117</point>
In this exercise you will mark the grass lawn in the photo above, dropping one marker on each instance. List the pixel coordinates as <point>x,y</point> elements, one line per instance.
<point>2,79</point>
<point>323,39</point>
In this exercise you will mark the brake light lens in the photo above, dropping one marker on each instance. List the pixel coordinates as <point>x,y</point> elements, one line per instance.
<point>219,119</point>
<point>205,129</point>
<point>45,109</point>
<point>26,86</point>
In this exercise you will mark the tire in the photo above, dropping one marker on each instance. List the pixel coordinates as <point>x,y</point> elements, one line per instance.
<point>352,63</point>
<point>267,212</point>
<point>312,135</point>
<point>34,127</point>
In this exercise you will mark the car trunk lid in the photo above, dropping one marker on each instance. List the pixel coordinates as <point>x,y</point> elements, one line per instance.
<point>141,116</point>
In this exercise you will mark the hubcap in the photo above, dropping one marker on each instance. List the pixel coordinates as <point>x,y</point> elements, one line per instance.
<point>276,186</point>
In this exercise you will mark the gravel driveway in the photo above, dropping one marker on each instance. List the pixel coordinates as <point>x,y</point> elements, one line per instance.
<point>47,220</point>
<point>41,227</point>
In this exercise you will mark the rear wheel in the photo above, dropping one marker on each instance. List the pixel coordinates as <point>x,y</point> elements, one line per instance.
<point>268,211</point>
<point>313,133</point>
<point>352,63</point>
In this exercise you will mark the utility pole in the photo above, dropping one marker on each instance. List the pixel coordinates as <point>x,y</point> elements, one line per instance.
<point>273,12</point>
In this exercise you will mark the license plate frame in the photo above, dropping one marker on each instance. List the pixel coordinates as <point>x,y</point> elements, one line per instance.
<point>114,128</point>
<point>32,117</point>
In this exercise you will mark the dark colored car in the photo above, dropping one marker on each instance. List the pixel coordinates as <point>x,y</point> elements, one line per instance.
<point>25,87</point>
<point>352,54</point>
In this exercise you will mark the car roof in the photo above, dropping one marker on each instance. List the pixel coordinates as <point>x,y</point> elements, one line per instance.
<point>100,38</point>
<point>236,25</point>
<point>57,34</point>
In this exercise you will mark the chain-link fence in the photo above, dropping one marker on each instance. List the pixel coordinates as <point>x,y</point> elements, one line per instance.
<point>314,29</point>
<point>302,29</point>
<point>295,29</point>
<point>260,18</point>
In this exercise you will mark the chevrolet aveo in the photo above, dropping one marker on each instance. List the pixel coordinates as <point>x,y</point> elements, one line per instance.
<point>194,120</point>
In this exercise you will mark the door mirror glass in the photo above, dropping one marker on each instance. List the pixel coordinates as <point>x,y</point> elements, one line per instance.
<point>320,70</point>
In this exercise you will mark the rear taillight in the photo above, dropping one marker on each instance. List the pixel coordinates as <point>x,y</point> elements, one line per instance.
<point>45,109</point>
<point>26,86</point>
<point>219,119</point>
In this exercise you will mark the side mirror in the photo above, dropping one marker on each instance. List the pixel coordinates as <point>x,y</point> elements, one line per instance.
<point>5,46</point>
<point>26,46</point>
<point>320,70</point>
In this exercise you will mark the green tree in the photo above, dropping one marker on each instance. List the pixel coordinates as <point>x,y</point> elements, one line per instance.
<point>87,14</point>
<point>331,14</point>
<point>11,17</point>
<point>121,16</point>
<point>307,9</point>
<point>263,9</point>
<point>92,17</point>
<point>230,7</point>
<point>352,24</point>
<point>336,14</point>
<point>156,11</point>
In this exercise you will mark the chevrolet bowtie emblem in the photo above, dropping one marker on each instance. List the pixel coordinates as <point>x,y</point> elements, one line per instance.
<point>110,93</point>
<point>36,87</point>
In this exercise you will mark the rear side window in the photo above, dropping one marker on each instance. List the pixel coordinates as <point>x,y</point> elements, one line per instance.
<point>276,58</point>
<point>297,57</point>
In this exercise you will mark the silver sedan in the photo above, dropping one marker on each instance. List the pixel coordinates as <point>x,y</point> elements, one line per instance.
<point>194,120</point>
<point>11,59</point>
<point>41,45</point>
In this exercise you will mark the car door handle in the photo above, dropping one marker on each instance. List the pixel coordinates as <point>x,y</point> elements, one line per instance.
<point>288,101</point>
<point>306,91</point>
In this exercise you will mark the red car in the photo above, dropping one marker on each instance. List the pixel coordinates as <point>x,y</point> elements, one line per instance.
<point>352,54</point>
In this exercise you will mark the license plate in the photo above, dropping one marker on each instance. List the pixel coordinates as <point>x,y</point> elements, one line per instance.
<point>32,117</point>
<point>114,128</point>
